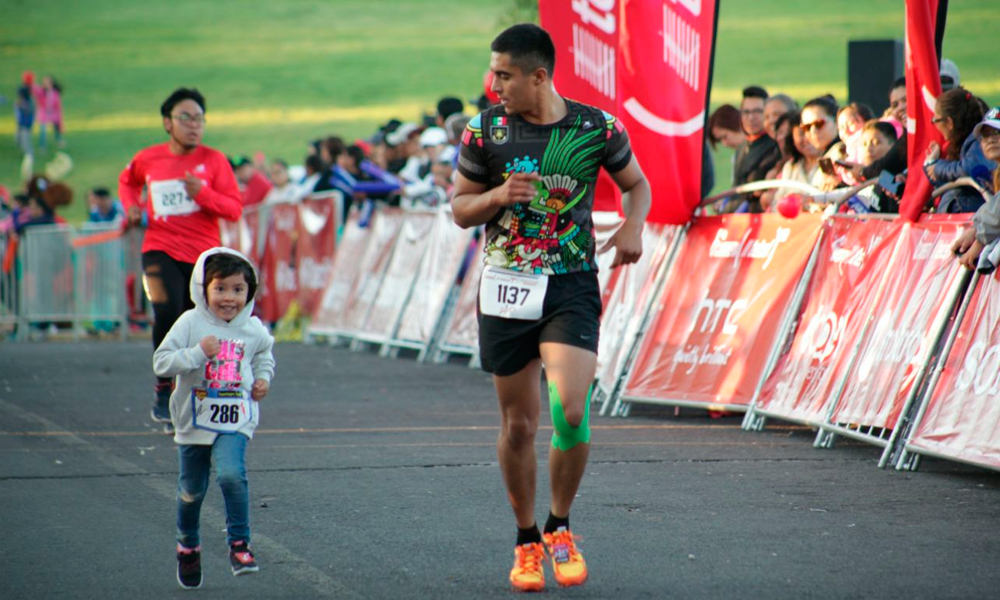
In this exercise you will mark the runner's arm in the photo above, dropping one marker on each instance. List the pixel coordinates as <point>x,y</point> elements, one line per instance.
<point>130,187</point>
<point>637,196</point>
<point>222,197</point>
<point>474,205</point>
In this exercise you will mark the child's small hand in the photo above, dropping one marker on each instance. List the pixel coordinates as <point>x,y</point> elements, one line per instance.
<point>259,390</point>
<point>210,345</point>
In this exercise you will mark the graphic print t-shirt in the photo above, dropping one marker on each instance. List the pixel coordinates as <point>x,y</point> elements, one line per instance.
<point>554,233</point>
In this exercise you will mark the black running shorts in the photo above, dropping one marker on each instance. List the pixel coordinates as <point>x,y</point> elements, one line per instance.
<point>571,315</point>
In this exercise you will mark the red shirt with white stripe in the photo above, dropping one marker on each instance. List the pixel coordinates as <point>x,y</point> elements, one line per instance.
<point>179,225</point>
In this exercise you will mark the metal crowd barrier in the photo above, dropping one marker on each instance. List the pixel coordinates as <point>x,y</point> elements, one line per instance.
<point>66,275</point>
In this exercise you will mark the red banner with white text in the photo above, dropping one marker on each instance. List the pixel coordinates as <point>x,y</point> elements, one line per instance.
<point>721,309</point>
<point>919,291</point>
<point>853,258</point>
<point>648,62</point>
<point>962,421</point>
<point>278,281</point>
<point>315,250</point>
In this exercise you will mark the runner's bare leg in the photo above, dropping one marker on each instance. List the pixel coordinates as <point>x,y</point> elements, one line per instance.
<point>520,397</point>
<point>572,369</point>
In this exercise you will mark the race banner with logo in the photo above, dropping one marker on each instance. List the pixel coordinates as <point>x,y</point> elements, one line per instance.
<point>962,421</point>
<point>446,250</point>
<point>278,281</point>
<point>463,326</point>
<point>628,292</point>
<point>721,309</point>
<point>920,291</point>
<point>854,257</point>
<point>317,243</point>
<point>353,244</point>
<point>649,63</point>
<point>383,230</point>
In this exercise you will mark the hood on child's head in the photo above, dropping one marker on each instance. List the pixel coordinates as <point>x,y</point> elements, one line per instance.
<point>198,282</point>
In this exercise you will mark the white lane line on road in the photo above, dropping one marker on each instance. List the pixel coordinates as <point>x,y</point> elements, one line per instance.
<point>322,584</point>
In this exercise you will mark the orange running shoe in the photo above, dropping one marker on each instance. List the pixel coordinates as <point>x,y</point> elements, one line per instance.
<point>567,562</point>
<point>527,574</point>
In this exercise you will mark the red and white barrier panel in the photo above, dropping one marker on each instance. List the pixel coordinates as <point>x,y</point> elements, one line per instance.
<point>278,282</point>
<point>626,296</point>
<point>842,291</point>
<point>394,292</point>
<point>720,310</point>
<point>319,220</point>
<point>462,334</point>
<point>446,251</point>
<point>924,284</point>
<point>961,420</point>
<point>383,231</point>
<point>347,266</point>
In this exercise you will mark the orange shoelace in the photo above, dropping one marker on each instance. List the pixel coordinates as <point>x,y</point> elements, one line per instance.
<point>529,557</point>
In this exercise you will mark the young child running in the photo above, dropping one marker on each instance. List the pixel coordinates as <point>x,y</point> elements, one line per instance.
<point>222,359</point>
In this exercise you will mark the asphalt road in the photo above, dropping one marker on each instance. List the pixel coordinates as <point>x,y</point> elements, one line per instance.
<point>376,478</point>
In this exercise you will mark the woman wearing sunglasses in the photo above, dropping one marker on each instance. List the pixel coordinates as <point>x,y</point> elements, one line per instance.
<point>956,113</point>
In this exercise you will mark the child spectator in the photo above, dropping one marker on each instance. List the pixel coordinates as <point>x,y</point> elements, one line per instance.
<point>103,207</point>
<point>876,139</point>
<point>221,358</point>
<point>851,120</point>
<point>284,191</point>
<point>49,100</point>
<point>956,114</point>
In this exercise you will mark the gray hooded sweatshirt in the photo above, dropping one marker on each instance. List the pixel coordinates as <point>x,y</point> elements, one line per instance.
<point>245,356</point>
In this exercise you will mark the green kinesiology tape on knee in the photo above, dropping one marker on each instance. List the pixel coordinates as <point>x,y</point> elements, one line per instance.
<point>565,436</point>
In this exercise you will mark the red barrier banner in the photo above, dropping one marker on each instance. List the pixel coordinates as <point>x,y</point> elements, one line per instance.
<point>383,230</point>
<point>400,275</point>
<point>446,251</point>
<point>720,310</point>
<point>278,284</point>
<point>962,419</point>
<point>907,323</point>
<point>353,244</point>
<point>315,251</point>
<point>626,296</point>
<point>463,327</point>
<point>853,258</point>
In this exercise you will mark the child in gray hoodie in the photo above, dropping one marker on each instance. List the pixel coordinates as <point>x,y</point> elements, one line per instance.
<point>221,358</point>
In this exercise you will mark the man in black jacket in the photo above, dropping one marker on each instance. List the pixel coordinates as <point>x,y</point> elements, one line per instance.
<point>756,156</point>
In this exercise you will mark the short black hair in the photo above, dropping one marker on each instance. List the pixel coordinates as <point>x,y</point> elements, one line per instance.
<point>529,47</point>
<point>101,192</point>
<point>180,95</point>
<point>313,163</point>
<point>448,106</point>
<point>754,91</point>
<point>899,82</point>
<point>222,265</point>
<point>355,152</point>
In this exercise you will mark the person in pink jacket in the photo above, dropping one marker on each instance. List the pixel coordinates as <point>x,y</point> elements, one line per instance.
<point>48,99</point>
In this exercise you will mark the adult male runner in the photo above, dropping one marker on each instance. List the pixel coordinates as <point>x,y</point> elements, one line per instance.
<point>184,188</point>
<point>527,169</point>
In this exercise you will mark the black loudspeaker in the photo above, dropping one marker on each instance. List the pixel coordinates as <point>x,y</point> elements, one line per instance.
<point>872,66</point>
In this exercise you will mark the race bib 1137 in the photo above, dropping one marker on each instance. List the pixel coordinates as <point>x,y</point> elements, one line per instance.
<point>512,294</point>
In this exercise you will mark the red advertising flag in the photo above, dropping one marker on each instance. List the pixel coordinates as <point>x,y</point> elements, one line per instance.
<point>585,33</point>
<point>923,86</point>
<point>315,251</point>
<point>854,256</point>
<point>962,421</point>
<point>664,78</point>
<point>721,308</point>
<point>908,318</point>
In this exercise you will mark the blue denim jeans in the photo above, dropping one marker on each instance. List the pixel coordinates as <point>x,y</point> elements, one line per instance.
<point>229,454</point>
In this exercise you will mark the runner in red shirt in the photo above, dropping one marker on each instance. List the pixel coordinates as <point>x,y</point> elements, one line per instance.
<point>184,188</point>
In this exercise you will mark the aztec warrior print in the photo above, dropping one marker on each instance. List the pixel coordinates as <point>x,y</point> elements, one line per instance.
<point>554,233</point>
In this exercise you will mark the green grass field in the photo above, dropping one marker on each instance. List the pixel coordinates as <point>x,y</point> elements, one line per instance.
<point>279,74</point>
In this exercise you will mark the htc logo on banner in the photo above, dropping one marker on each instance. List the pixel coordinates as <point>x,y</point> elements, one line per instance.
<point>715,309</point>
<point>593,60</point>
<point>682,43</point>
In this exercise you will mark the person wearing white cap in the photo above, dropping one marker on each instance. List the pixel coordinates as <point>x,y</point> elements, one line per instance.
<point>986,222</point>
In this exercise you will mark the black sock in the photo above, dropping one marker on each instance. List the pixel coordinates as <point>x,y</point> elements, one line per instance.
<point>553,523</point>
<point>529,535</point>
